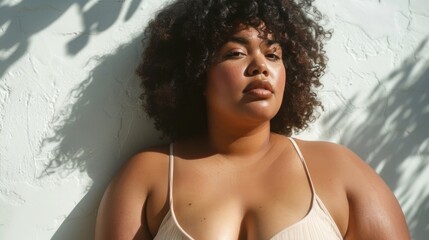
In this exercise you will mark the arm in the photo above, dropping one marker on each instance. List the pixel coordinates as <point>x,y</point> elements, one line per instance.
<point>122,212</point>
<point>374,212</point>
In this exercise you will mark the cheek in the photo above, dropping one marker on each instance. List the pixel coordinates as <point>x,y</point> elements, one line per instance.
<point>281,80</point>
<point>224,79</point>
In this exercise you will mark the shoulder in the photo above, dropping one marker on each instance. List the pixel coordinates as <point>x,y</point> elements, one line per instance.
<point>336,159</point>
<point>121,214</point>
<point>331,158</point>
<point>374,212</point>
<point>328,150</point>
<point>340,163</point>
<point>144,168</point>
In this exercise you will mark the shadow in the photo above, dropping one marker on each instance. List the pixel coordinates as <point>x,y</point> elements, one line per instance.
<point>394,136</point>
<point>102,127</point>
<point>19,22</point>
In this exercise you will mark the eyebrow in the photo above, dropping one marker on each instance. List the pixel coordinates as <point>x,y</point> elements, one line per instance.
<point>245,41</point>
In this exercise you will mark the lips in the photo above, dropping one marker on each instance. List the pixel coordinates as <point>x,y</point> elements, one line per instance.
<point>259,88</point>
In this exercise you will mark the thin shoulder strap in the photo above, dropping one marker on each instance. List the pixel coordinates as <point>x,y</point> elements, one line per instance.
<point>170,191</point>
<point>301,157</point>
<point>315,197</point>
<point>170,175</point>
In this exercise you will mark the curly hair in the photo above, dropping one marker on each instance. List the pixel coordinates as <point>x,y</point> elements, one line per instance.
<point>181,42</point>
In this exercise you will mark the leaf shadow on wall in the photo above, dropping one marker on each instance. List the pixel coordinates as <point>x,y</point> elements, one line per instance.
<point>103,128</point>
<point>20,22</point>
<point>394,138</point>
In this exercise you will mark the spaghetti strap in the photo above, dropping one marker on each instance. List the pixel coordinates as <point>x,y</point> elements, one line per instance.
<point>170,191</point>
<point>170,174</point>
<point>315,196</point>
<point>301,157</point>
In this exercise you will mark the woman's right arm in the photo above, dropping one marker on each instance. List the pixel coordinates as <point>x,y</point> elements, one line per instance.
<point>122,211</point>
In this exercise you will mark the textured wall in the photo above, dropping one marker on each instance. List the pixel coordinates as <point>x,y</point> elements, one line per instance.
<point>69,112</point>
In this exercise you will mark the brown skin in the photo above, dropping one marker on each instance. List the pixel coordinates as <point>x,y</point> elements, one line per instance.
<point>241,181</point>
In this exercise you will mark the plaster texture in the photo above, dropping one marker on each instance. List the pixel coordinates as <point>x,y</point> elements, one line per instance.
<point>70,115</point>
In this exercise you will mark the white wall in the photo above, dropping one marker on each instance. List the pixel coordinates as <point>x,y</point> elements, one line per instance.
<point>376,94</point>
<point>69,108</point>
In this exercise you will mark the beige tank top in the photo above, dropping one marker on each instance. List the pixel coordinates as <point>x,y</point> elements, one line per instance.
<point>316,225</point>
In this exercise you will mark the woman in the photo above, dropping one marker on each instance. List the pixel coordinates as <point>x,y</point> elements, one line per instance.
<point>227,81</point>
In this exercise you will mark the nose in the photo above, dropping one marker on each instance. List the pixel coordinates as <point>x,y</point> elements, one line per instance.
<point>258,66</point>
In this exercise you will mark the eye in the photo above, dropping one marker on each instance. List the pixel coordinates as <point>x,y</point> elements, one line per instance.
<point>273,56</point>
<point>274,53</point>
<point>234,54</point>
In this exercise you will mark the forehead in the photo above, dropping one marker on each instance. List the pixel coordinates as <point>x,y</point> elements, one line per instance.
<point>247,31</point>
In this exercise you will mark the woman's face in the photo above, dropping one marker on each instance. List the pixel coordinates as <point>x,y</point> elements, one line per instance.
<point>247,79</point>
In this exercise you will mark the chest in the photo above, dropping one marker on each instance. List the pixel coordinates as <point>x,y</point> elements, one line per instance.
<point>217,202</point>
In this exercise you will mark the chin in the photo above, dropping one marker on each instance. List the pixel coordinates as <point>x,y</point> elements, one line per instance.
<point>262,113</point>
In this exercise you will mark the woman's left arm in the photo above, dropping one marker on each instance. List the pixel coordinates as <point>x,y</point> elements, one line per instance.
<point>374,212</point>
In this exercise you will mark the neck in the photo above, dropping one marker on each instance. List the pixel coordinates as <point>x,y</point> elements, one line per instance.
<point>239,141</point>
